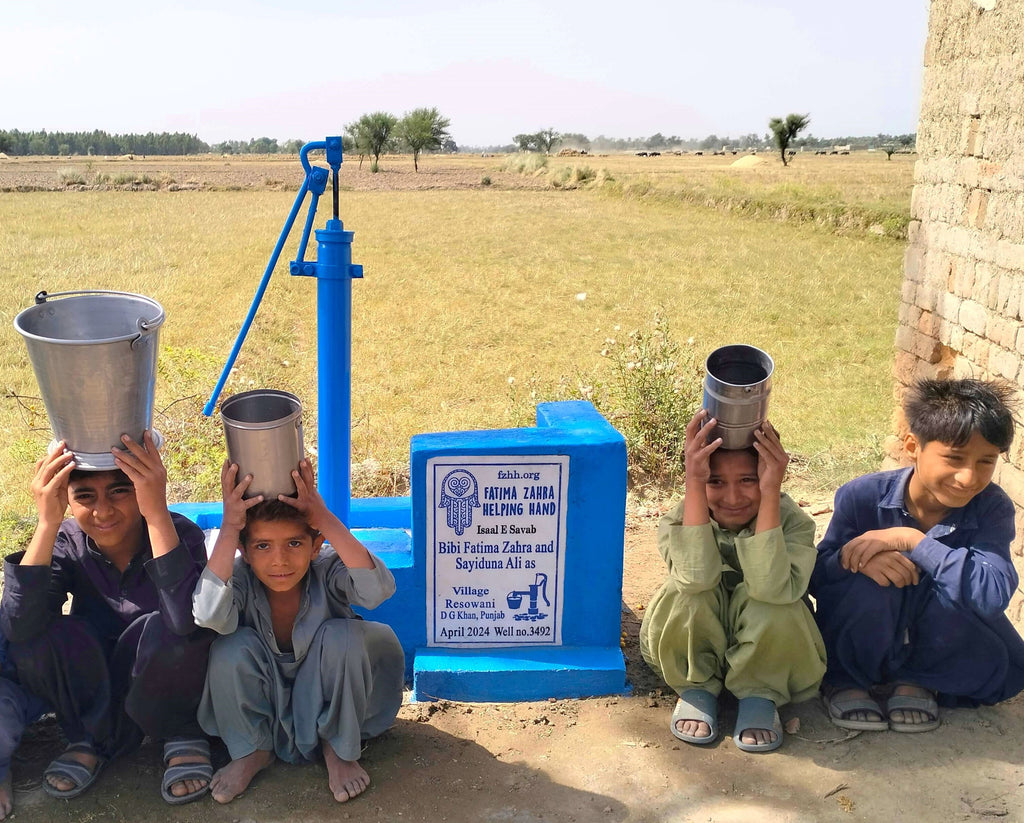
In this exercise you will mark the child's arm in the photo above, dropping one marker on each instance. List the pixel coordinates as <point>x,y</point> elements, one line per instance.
<point>777,560</point>
<point>145,468</point>
<point>772,461</point>
<point>313,508</point>
<point>36,587</point>
<point>222,558</point>
<point>697,462</point>
<point>686,538</point>
<point>50,490</point>
<point>214,601</point>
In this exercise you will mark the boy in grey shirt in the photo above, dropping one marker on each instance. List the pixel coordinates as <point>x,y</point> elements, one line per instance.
<point>296,672</point>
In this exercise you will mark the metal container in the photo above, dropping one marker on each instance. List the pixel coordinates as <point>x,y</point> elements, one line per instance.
<point>263,429</point>
<point>736,387</point>
<point>94,354</point>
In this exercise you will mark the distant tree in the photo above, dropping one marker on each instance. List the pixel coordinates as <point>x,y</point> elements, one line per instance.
<point>352,142</point>
<point>655,141</point>
<point>576,141</point>
<point>547,139</point>
<point>422,130</point>
<point>375,133</point>
<point>889,149</point>
<point>295,146</point>
<point>785,130</point>
<point>712,141</point>
<point>448,145</point>
<point>526,142</point>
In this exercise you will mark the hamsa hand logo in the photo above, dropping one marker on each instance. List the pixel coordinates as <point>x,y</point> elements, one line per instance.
<point>459,495</point>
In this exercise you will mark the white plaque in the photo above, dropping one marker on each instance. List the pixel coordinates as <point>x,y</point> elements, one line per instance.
<point>496,549</point>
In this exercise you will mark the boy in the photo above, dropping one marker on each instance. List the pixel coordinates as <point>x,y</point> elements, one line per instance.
<point>296,670</point>
<point>739,554</point>
<point>914,572</point>
<point>17,709</point>
<point>127,661</point>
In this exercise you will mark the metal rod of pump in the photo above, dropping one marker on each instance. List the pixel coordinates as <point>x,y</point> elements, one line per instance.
<point>334,271</point>
<point>211,404</point>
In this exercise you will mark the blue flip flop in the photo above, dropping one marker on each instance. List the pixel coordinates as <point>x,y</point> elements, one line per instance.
<point>757,713</point>
<point>696,704</point>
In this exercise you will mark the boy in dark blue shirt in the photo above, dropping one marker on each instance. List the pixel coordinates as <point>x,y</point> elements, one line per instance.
<point>914,573</point>
<point>128,660</point>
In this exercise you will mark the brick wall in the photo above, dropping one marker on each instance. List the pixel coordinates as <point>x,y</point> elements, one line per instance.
<point>963,289</point>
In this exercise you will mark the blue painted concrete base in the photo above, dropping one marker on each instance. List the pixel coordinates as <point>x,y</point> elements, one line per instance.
<point>500,675</point>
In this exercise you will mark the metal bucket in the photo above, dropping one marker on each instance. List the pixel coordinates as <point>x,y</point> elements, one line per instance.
<point>94,354</point>
<point>263,429</point>
<point>736,387</point>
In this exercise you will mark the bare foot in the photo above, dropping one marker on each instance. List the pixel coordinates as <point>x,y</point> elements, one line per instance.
<point>6,797</point>
<point>914,717</point>
<point>346,778</point>
<point>235,777</point>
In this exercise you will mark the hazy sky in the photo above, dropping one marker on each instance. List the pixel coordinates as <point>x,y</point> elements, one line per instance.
<point>305,68</point>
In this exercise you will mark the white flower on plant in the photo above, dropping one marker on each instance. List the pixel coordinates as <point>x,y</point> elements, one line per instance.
<point>581,296</point>
<point>689,341</point>
<point>511,380</point>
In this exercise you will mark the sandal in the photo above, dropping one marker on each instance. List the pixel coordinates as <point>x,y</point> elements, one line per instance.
<point>186,747</point>
<point>910,703</point>
<point>757,713</point>
<point>696,704</point>
<point>838,707</point>
<point>67,768</point>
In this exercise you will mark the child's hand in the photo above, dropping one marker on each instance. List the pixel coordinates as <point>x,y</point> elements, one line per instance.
<point>697,454</point>
<point>857,552</point>
<point>146,470</point>
<point>309,502</point>
<point>772,458</point>
<point>50,485</point>
<point>891,568</point>
<point>235,505</point>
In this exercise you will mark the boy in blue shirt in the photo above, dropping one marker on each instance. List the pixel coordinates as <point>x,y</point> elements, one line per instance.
<point>914,573</point>
<point>128,660</point>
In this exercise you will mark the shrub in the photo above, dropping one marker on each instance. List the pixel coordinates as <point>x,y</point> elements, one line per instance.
<point>526,163</point>
<point>485,180</point>
<point>657,388</point>
<point>70,177</point>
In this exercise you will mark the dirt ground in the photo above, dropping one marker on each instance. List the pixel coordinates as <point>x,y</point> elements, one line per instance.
<point>607,760</point>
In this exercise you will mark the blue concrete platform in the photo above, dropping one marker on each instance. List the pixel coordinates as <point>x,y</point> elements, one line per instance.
<point>505,675</point>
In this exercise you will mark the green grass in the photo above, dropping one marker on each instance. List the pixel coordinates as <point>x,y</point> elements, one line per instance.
<point>462,291</point>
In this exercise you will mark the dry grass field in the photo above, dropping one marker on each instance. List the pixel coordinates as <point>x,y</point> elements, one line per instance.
<point>470,310</point>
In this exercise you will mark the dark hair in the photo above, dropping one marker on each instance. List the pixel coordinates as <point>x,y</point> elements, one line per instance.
<point>950,411</point>
<point>748,450</point>
<point>272,510</point>
<point>81,474</point>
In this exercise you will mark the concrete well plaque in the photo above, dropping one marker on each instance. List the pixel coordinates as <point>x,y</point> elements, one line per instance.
<point>495,541</point>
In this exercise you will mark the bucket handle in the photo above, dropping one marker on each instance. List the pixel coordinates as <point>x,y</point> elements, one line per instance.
<point>145,326</point>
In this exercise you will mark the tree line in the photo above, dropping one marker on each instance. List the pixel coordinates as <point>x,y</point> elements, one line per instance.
<point>547,139</point>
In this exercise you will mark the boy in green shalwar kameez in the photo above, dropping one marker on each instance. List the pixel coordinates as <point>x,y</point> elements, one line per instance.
<point>732,614</point>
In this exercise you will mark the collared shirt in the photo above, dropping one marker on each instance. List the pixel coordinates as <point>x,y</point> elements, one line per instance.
<point>107,598</point>
<point>330,589</point>
<point>966,556</point>
<point>775,564</point>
